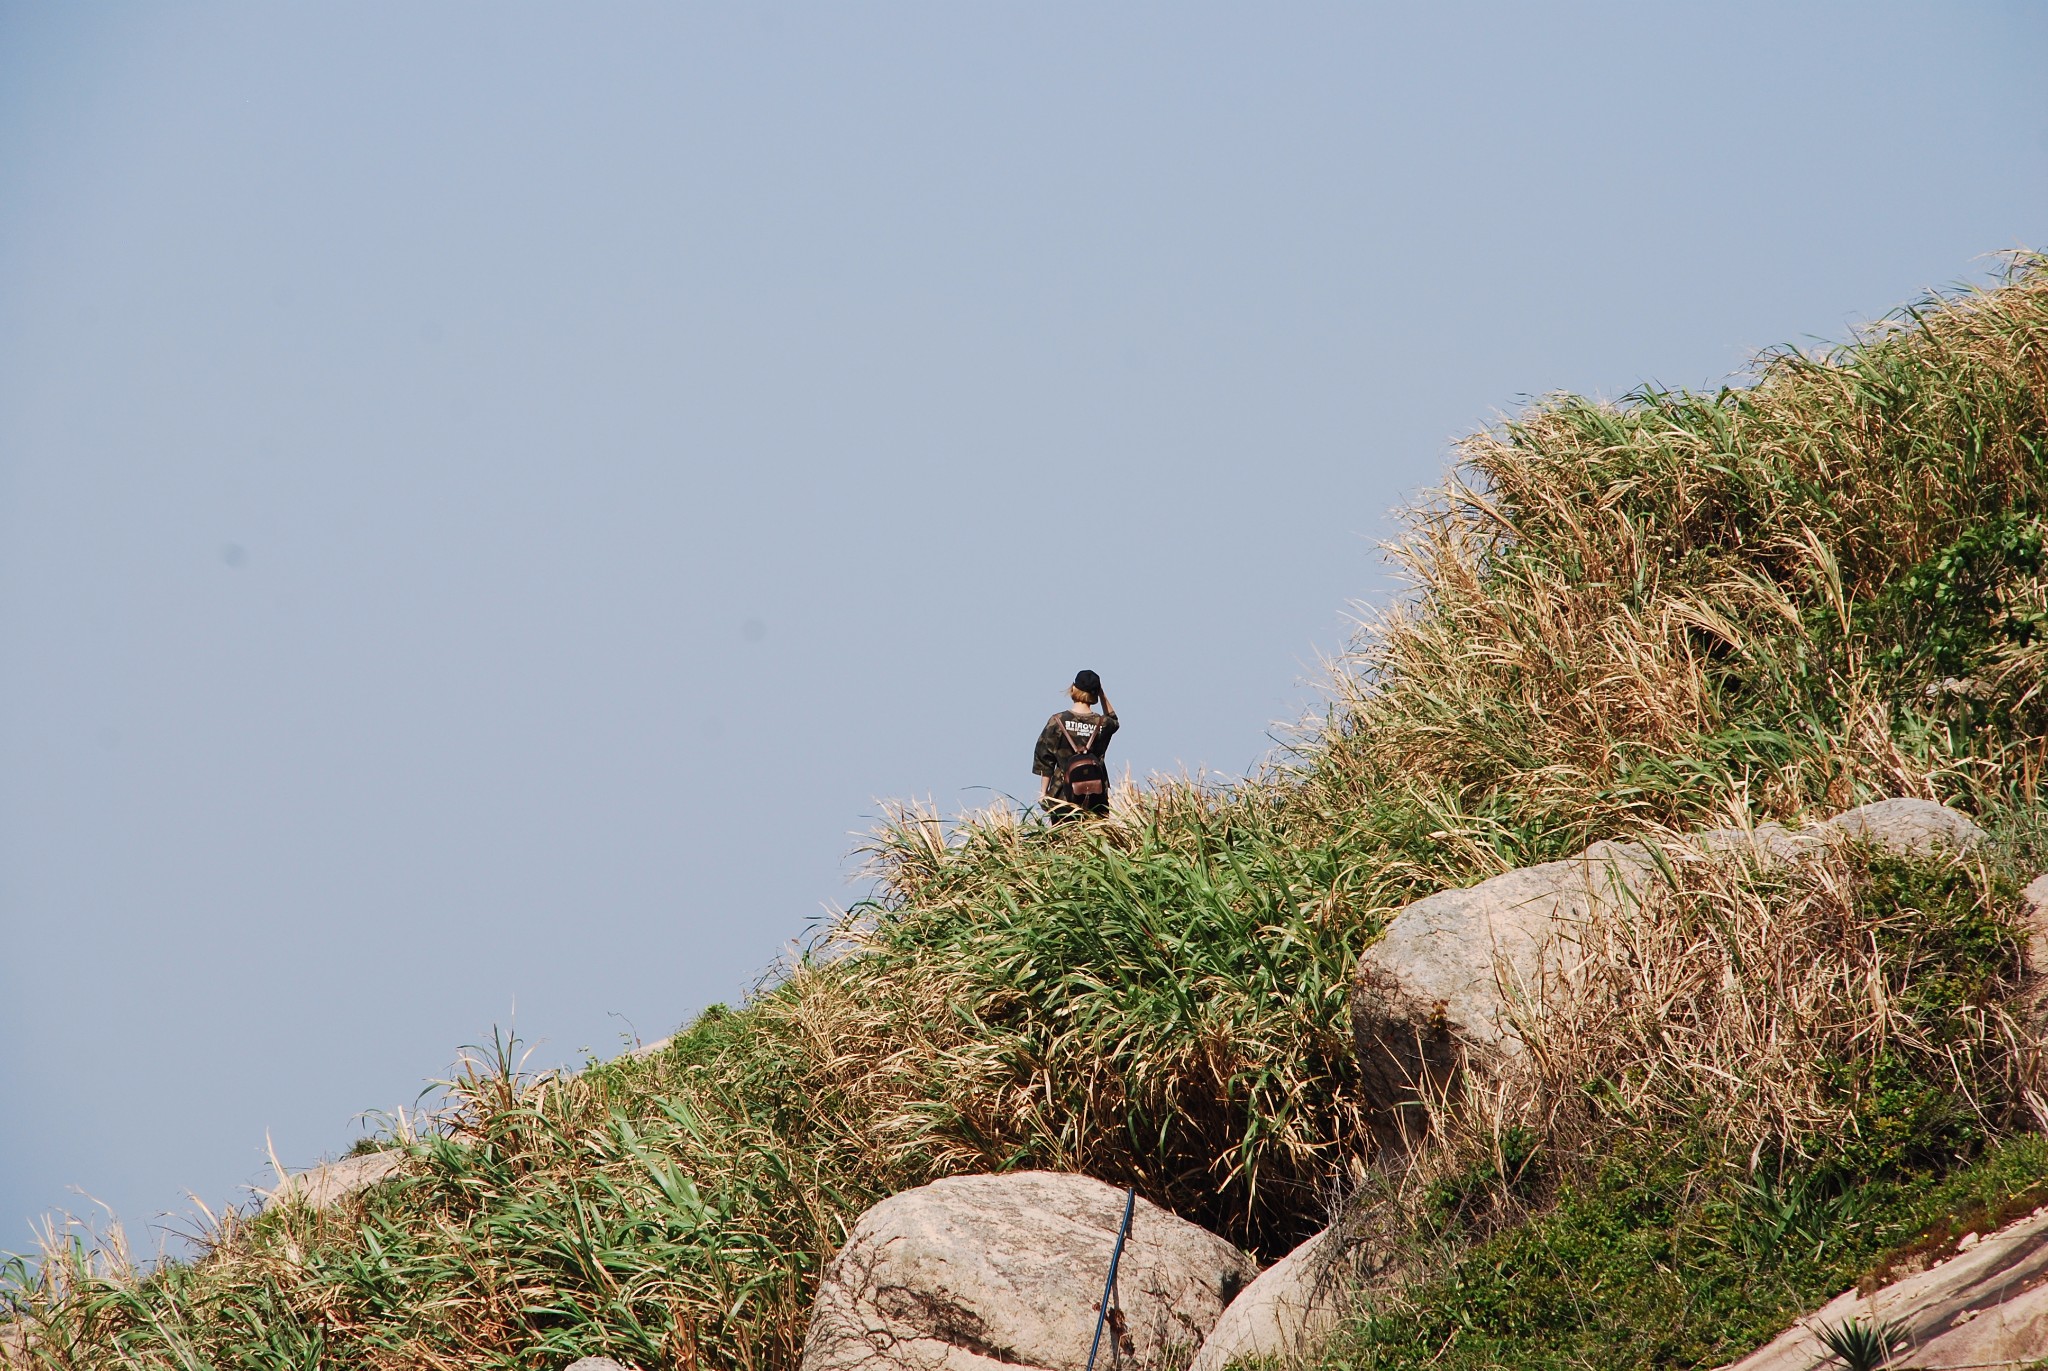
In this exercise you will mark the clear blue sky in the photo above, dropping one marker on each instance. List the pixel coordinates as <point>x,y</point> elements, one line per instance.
<point>490,496</point>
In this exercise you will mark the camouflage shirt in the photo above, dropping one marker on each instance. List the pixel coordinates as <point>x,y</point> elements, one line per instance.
<point>1064,735</point>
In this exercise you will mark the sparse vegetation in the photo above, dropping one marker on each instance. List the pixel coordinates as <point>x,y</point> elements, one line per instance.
<point>1683,609</point>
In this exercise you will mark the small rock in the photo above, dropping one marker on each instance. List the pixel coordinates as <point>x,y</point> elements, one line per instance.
<point>2034,924</point>
<point>977,1273</point>
<point>1967,1241</point>
<point>1915,826</point>
<point>597,1364</point>
<point>328,1184</point>
<point>1956,687</point>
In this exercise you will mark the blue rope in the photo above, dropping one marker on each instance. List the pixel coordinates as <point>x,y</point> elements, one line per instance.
<point>1102,1310</point>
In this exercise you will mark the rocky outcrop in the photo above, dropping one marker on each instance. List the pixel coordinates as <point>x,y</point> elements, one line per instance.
<point>1985,1306</point>
<point>2034,925</point>
<point>977,1273</point>
<point>330,1183</point>
<point>1440,990</point>
<point>1288,1312</point>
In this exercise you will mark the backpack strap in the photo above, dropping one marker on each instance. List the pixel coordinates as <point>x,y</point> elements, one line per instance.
<point>1086,749</point>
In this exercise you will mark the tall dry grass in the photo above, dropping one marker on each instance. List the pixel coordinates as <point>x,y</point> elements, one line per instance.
<point>1618,610</point>
<point>1781,1009</point>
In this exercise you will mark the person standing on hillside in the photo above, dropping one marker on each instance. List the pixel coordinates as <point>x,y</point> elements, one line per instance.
<point>1074,778</point>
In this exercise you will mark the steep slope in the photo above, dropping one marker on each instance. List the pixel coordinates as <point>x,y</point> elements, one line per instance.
<point>1678,611</point>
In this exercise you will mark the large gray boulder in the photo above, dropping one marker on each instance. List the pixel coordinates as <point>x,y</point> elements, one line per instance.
<point>1441,991</point>
<point>1288,1313</point>
<point>1985,1306</point>
<point>978,1273</point>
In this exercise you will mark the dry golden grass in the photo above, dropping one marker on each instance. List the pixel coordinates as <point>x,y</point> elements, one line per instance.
<point>1610,600</point>
<point>1759,1004</point>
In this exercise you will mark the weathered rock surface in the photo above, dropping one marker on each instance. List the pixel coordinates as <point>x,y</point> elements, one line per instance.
<point>597,1364</point>
<point>1438,991</point>
<point>1915,826</point>
<point>328,1184</point>
<point>2034,924</point>
<point>653,1049</point>
<point>977,1273</point>
<point>1288,1312</point>
<point>1985,1306</point>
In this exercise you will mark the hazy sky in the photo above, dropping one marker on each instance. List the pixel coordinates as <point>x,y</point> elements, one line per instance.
<point>491,495</point>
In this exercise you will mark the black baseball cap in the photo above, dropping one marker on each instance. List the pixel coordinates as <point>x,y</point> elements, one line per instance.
<point>1088,682</point>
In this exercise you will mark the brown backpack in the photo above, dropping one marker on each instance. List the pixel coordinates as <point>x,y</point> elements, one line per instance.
<point>1087,775</point>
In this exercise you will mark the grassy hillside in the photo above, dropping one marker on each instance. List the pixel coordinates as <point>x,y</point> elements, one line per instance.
<point>1822,586</point>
